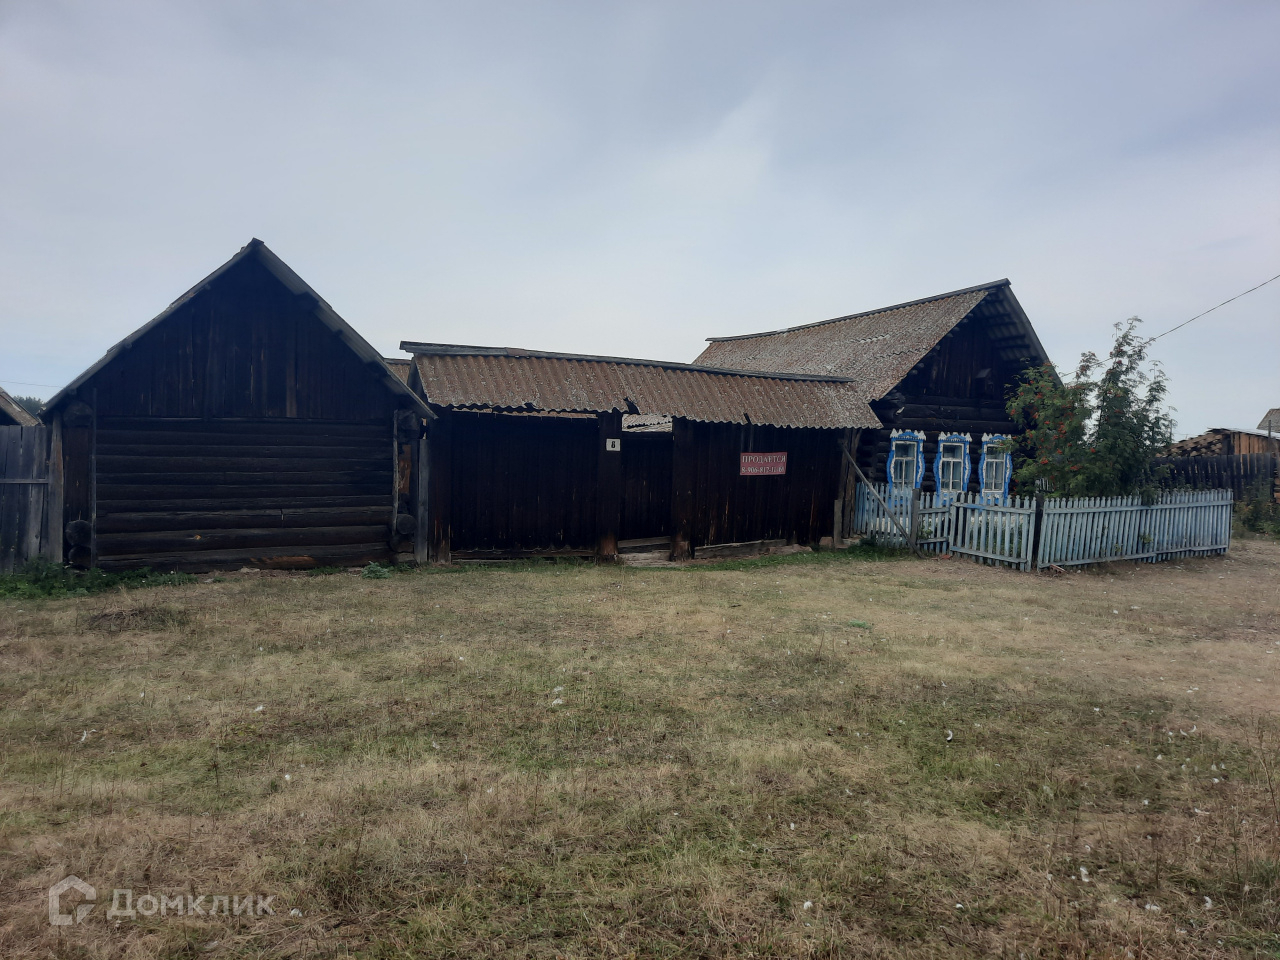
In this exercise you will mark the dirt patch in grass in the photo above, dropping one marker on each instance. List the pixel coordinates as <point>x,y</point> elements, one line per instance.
<point>834,757</point>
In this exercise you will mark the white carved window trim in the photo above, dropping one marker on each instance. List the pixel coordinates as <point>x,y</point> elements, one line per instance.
<point>962,441</point>
<point>990,456</point>
<point>916,438</point>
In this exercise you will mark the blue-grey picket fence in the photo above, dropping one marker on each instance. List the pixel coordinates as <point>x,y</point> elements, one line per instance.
<point>1002,530</point>
<point>994,530</point>
<point>1098,529</point>
<point>871,519</point>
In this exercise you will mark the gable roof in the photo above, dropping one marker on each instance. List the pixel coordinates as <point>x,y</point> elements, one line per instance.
<point>11,409</point>
<point>502,378</point>
<point>255,248</point>
<point>1270,420</point>
<point>878,348</point>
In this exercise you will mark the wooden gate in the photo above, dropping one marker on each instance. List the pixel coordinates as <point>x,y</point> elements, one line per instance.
<point>24,495</point>
<point>994,530</point>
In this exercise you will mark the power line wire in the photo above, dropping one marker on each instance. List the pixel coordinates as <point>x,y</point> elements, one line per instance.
<point>23,383</point>
<point>1211,309</point>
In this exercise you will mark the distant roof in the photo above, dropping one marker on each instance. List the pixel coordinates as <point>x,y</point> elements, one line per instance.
<point>11,410</point>
<point>292,282</point>
<point>502,378</point>
<point>1270,420</point>
<point>399,366</point>
<point>878,348</point>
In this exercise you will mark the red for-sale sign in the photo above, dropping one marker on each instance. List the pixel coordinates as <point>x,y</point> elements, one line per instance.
<point>763,464</point>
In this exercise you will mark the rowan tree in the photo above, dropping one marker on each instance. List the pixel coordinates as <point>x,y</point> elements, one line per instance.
<point>1097,434</point>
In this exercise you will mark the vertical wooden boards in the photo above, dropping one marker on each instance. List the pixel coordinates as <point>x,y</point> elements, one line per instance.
<point>1100,529</point>
<point>608,484</point>
<point>683,488</point>
<point>243,347</point>
<point>24,495</point>
<point>522,484</point>
<point>730,508</point>
<point>646,485</point>
<point>887,515</point>
<point>54,525</point>
<point>440,490</point>
<point>422,500</point>
<point>1072,531</point>
<point>1242,473</point>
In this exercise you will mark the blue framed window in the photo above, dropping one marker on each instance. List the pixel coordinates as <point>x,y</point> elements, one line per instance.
<point>951,466</point>
<point>906,459</point>
<point>996,466</point>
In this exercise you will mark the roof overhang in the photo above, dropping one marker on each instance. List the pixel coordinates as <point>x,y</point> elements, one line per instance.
<point>458,376</point>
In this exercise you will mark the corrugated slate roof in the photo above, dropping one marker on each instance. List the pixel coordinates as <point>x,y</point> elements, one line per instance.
<point>500,378</point>
<point>9,408</point>
<point>879,347</point>
<point>400,367</point>
<point>1270,420</point>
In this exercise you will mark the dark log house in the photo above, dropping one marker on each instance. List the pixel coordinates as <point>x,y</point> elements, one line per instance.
<point>936,372</point>
<point>246,424</point>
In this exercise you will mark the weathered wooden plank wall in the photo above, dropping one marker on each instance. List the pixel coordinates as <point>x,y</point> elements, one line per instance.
<point>1243,473</point>
<point>24,495</point>
<point>246,347</point>
<point>729,508</point>
<point>517,484</point>
<point>646,485</point>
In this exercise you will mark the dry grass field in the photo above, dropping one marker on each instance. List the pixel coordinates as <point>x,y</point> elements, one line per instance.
<point>815,756</point>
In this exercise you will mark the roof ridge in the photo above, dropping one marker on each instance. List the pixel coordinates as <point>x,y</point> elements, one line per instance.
<point>463,350</point>
<point>866,313</point>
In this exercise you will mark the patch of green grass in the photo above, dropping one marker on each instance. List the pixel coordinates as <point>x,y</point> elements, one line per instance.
<point>325,571</point>
<point>42,579</point>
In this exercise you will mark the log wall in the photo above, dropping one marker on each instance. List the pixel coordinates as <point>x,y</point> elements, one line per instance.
<point>203,494</point>
<point>239,430</point>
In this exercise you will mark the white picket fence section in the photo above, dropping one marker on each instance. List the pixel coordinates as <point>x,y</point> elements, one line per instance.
<point>1099,529</point>
<point>994,530</point>
<point>1002,530</point>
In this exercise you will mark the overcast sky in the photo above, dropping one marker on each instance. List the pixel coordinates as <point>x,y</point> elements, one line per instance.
<point>629,179</point>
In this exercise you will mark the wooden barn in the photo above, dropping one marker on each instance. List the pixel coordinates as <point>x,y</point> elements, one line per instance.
<point>936,372</point>
<point>247,424</point>
<point>12,414</point>
<point>537,454</point>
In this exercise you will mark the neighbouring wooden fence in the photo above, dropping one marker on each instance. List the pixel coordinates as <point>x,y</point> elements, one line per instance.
<point>24,495</point>
<point>1242,473</point>
<point>1019,532</point>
